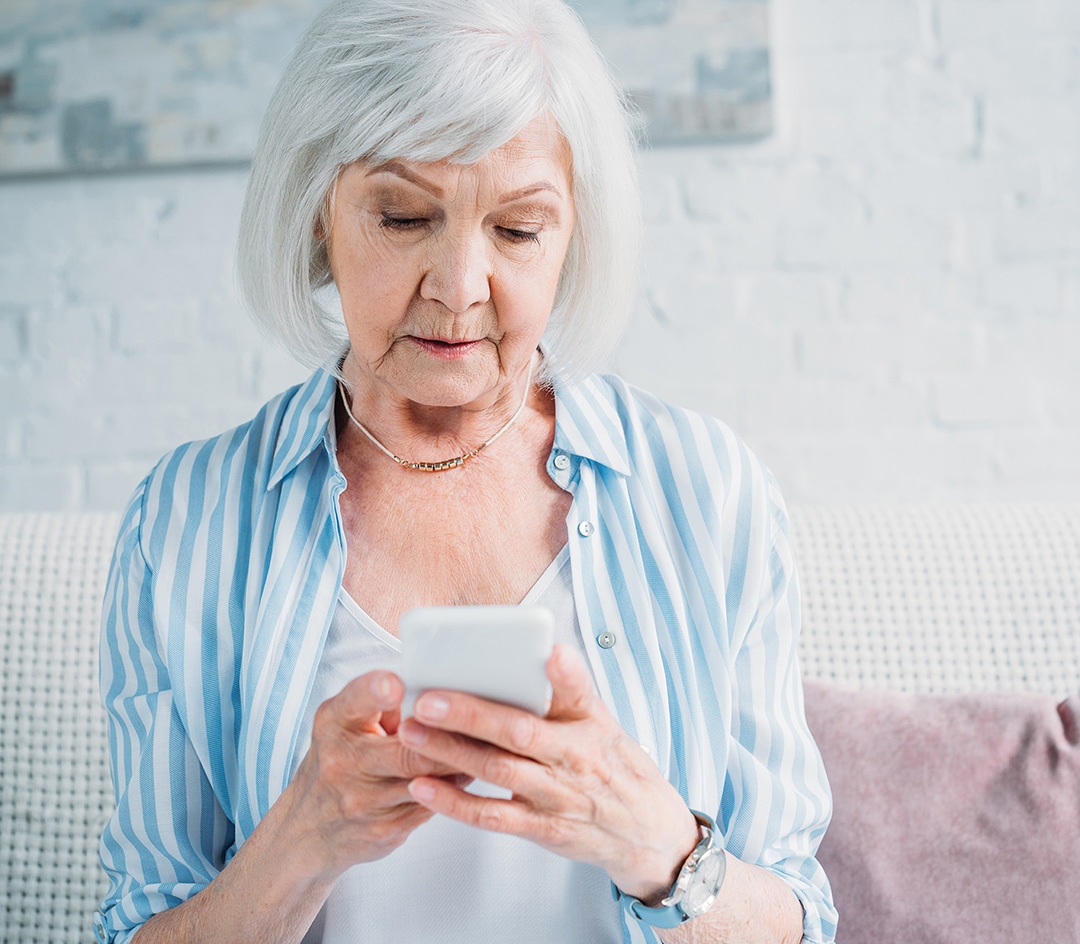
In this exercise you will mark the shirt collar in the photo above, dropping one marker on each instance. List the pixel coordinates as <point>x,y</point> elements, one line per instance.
<point>305,424</point>
<point>587,423</point>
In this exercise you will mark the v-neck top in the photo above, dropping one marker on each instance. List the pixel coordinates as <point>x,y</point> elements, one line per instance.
<point>449,881</point>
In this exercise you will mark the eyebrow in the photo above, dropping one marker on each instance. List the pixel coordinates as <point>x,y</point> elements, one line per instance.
<point>539,187</point>
<point>400,170</point>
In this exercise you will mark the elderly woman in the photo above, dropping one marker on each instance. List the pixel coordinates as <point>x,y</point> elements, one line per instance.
<point>441,216</point>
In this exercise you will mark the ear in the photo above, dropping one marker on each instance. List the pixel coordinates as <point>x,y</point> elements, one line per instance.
<point>324,220</point>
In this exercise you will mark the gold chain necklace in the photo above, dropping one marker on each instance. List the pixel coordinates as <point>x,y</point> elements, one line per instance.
<point>446,463</point>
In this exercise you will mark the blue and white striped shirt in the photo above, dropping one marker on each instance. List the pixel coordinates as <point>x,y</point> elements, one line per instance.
<point>228,568</point>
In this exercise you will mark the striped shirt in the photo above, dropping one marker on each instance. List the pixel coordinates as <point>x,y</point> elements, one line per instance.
<point>228,568</point>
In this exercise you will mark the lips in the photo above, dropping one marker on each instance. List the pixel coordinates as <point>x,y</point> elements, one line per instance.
<point>446,349</point>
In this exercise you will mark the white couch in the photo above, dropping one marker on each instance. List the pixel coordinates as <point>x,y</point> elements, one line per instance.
<point>920,599</point>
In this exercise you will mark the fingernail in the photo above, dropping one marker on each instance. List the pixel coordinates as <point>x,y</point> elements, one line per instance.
<point>380,687</point>
<point>424,792</point>
<point>432,707</point>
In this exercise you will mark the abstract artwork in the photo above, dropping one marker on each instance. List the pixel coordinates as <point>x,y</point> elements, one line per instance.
<point>114,84</point>
<point>91,85</point>
<point>698,70</point>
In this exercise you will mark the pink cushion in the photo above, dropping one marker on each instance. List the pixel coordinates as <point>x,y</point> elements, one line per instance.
<point>956,818</point>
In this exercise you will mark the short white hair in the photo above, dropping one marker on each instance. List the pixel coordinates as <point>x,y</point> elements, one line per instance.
<point>431,80</point>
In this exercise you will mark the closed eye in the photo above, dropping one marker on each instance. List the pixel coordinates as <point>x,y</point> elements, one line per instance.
<point>519,235</point>
<point>402,222</point>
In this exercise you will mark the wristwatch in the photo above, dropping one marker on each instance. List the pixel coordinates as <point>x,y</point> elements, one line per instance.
<point>694,890</point>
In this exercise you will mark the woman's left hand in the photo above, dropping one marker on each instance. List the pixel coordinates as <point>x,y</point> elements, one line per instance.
<point>581,786</point>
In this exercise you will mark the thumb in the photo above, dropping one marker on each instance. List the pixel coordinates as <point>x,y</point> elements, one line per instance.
<point>361,704</point>
<point>572,693</point>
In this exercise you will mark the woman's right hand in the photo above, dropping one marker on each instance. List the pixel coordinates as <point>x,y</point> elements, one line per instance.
<point>348,803</point>
<point>350,794</point>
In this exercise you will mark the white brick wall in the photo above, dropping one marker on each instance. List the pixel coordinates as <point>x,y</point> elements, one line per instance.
<point>883,297</point>
<point>117,293</point>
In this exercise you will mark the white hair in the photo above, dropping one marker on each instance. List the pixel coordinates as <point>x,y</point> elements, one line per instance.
<point>431,80</point>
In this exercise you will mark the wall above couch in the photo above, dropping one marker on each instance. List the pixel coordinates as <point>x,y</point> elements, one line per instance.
<point>883,297</point>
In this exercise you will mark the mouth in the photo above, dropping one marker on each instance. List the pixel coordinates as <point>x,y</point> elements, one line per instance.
<point>447,350</point>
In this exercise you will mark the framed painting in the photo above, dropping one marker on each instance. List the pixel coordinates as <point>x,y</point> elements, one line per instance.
<point>117,84</point>
<point>698,70</point>
<point>93,85</point>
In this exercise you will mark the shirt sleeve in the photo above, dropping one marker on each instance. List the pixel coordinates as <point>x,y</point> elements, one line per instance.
<point>168,836</point>
<point>776,799</point>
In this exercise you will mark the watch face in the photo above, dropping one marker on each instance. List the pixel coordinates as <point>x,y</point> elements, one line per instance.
<point>704,884</point>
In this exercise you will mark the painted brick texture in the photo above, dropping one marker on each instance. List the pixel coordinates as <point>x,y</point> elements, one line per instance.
<point>883,297</point>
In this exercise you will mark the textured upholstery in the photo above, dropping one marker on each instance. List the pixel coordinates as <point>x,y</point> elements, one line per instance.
<point>950,598</point>
<point>943,599</point>
<point>54,784</point>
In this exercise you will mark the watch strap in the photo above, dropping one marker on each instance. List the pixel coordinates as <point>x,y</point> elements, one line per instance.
<point>663,915</point>
<point>669,916</point>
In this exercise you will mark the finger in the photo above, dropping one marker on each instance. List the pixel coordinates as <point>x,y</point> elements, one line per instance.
<point>521,776</point>
<point>494,815</point>
<point>383,834</point>
<point>393,796</point>
<point>513,729</point>
<point>387,758</point>
<point>391,720</point>
<point>361,704</point>
<point>375,800</point>
<point>572,692</point>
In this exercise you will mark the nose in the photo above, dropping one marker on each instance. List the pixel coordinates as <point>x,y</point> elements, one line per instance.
<point>458,272</point>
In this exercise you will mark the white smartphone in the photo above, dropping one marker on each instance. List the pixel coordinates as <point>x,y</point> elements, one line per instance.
<point>497,652</point>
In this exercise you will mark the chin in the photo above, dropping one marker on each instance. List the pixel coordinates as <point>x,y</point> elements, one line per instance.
<point>448,387</point>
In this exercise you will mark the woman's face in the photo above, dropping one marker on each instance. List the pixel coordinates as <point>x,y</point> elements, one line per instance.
<point>447,272</point>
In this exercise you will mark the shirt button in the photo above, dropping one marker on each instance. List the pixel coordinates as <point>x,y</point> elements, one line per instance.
<point>606,640</point>
<point>562,461</point>
<point>585,528</point>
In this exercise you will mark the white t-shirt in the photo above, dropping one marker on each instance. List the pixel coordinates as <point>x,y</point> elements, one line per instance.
<point>450,882</point>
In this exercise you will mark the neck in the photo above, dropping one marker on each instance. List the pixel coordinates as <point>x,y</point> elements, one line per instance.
<point>434,439</point>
